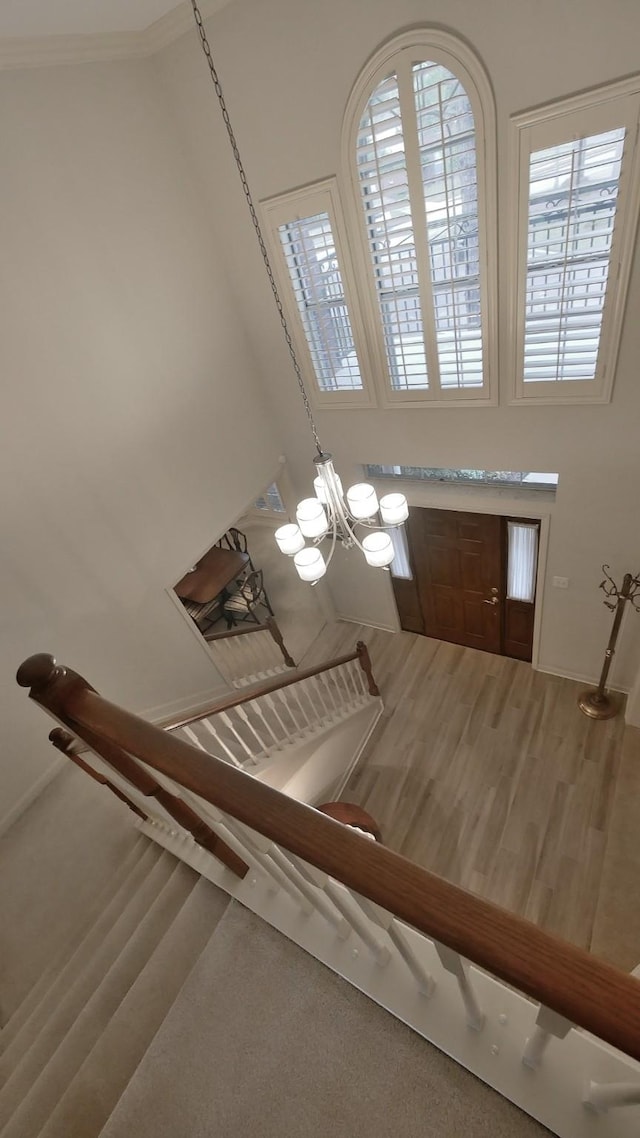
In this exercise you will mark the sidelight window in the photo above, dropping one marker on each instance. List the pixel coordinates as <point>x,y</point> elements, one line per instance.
<point>522,560</point>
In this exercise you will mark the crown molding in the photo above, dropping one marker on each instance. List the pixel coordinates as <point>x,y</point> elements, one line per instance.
<point>52,51</point>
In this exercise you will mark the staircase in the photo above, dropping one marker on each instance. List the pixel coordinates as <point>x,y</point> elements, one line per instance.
<point>176,1011</point>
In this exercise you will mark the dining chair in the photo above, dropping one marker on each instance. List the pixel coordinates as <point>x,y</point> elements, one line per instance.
<point>203,615</point>
<point>242,605</point>
<point>235,539</point>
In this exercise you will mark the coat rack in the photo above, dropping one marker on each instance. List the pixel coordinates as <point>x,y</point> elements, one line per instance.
<point>597,704</point>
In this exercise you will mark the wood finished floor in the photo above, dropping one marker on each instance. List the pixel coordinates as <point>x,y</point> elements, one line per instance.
<point>485,772</point>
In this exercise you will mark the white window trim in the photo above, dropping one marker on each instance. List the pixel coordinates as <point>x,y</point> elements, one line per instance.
<point>321,197</point>
<point>441,47</point>
<point>589,113</point>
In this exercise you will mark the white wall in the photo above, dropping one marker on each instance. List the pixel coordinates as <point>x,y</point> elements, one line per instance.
<point>287,70</point>
<point>132,430</point>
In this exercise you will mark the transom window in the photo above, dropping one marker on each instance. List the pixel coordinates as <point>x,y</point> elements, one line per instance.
<point>509,479</point>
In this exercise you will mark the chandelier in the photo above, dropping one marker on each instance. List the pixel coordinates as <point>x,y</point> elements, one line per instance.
<point>330,515</point>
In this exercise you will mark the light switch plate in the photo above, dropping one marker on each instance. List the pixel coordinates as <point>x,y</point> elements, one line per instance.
<point>560,582</point>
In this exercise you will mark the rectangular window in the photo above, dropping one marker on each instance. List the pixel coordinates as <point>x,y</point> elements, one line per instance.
<point>573,191</point>
<point>271,501</point>
<point>306,234</point>
<point>522,561</point>
<point>578,205</point>
<point>507,479</point>
<point>400,566</point>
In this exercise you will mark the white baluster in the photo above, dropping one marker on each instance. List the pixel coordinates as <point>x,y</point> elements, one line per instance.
<point>345,904</point>
<point>343,681</point>
<point>321,698</point>
<point>242,837</point>
<point>287,711</point>
<point>600,1097</point>
<point>424,979</point>
<point>549,1025</point>
<point>296,692</point>
<point>257,705</point>
<point>252,642</point>
<point>313,894</point>
<point>243,715</point>
<point>193,738</point>
<point>325,680</point>
<point>271,704</point>
<point>355,672</point>
<point>220,742</point>
<point>453,962</point>
<point>360,680</point>
<point>226,719</point>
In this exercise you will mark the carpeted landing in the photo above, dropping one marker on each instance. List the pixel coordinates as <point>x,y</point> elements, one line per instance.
<point>265,1041</point>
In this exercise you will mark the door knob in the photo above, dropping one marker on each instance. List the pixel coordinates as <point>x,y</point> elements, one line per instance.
<point>493,601</point>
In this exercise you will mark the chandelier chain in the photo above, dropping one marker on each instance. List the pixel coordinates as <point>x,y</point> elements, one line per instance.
<point>254,218</point>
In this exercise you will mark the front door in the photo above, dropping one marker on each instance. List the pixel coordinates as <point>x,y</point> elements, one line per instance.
<point>458,563</point>
<point>456,586</point>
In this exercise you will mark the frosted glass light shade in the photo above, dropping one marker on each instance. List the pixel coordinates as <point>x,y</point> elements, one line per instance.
<point>289,539</point>
<point>311,517</point>
<point>320,488</point>
<point>394,509</point>
<point>378,549</point>
<point>310,564</point>
<point>362,499</point>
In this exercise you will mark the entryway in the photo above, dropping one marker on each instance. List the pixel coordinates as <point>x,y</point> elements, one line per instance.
<point>470,579</point>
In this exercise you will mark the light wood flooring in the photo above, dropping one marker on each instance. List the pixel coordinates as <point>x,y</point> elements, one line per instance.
<point>485,772</point>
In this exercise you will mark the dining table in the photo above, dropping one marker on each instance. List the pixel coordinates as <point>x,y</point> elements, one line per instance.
<point>209,578</point>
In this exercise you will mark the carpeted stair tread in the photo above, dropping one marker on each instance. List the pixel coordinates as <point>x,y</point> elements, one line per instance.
<point>263,1040</point>
<point>121,938</point>
<point>42,1093</point>
<point>92,1095</point>
<point>121,874</point>
<point>54,860</point>
<point>18,1034</point>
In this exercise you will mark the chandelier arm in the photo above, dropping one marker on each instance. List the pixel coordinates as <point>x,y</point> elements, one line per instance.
<point>254,219</point>
<point>334,534</point>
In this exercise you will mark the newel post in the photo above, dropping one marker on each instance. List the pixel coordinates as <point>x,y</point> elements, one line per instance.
<point>277,636</point>
<point>364,660</point>
<point>54,688</point>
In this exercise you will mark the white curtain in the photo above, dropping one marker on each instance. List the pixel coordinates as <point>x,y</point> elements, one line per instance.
<point>522,561</point>
<point>400,566</point>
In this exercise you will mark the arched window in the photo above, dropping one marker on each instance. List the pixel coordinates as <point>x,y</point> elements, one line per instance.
<point>420,147</point>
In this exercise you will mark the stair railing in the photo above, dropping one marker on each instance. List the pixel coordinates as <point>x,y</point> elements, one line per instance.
<point>250,726</point>
<point>362,886</point>
<point>250,656</point>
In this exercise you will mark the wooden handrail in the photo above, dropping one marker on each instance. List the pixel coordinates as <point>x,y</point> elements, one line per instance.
<point>64,742</point>
<point>229,633</point>
<point>587,991</point>
<point>247,694</point>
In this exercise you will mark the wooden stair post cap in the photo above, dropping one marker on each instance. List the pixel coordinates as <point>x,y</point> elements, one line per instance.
<point>37,671</point>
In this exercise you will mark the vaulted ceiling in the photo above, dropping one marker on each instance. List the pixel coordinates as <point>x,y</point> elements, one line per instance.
<point>38,18</point>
